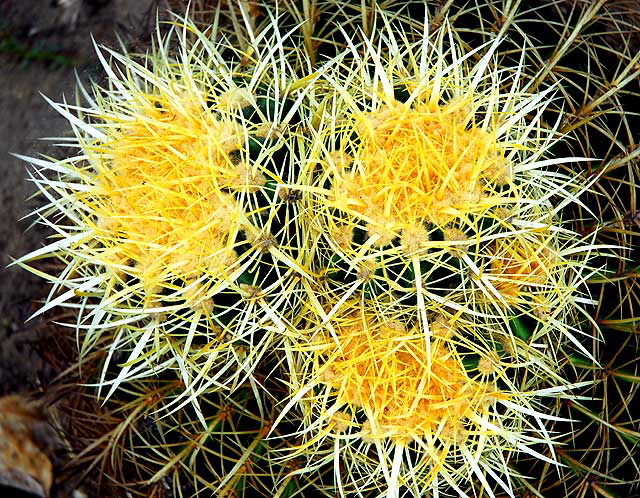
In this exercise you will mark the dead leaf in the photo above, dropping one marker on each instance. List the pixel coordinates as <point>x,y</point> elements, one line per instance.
<point>23,463</point>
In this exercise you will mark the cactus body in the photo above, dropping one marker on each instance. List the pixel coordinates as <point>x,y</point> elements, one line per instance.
<point>181,242</point>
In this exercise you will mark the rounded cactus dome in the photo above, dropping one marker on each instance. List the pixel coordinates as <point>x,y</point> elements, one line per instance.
<point>164,192</point>
<point>178,237</point>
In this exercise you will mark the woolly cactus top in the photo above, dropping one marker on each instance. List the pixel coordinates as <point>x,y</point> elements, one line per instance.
<point>418,163</point>
<point>164,199</point>
<point>408,390</point>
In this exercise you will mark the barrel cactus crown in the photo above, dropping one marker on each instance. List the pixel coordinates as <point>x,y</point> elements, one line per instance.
<point>176,233</point>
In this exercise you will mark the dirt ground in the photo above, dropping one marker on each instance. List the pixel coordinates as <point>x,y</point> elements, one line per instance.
<point>44,44</point>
